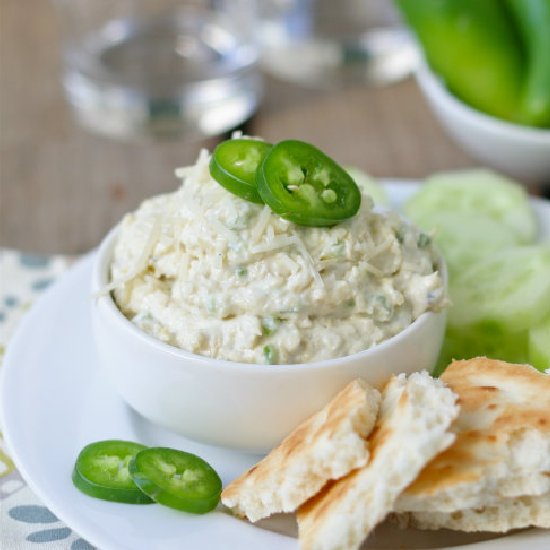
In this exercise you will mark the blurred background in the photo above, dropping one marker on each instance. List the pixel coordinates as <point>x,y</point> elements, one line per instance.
<point>101,100</point>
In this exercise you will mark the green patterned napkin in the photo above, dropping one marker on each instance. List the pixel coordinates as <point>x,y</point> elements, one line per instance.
<point>25,522</point>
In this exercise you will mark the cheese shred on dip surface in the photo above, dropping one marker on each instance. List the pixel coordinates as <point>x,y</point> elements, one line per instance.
<point>208,272</point>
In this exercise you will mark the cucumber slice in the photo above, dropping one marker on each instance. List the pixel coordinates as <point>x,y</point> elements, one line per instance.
<point>539,346</point>
<point>478,192</point>
<point>509,290</point>
<point>369,186</point>
<point>466,237</point>
<point>483,340</point>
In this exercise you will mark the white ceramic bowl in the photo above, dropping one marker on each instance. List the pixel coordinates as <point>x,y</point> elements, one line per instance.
<point>520,151</point>
<point>237,405</point>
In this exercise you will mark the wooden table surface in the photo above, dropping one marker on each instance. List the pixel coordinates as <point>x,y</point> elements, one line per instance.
<point>62,188</point>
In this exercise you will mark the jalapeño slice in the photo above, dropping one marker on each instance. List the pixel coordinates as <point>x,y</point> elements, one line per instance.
<point>234,163</point>
<point>305,186</point>
<point>101,471</point>
<point>176,479</point>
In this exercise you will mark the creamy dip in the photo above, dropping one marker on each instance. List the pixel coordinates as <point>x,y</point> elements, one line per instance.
<point>206,271</point>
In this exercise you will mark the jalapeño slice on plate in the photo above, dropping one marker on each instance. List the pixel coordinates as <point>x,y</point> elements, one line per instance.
<point>234,163</point>
<point>176,479</point>
<point>305,186</point>
<point>101,471</point>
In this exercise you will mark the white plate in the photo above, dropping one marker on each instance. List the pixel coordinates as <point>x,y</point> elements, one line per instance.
<point>55,400</point>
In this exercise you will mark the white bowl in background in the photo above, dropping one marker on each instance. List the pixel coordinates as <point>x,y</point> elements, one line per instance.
<point>521,151</point>
<point>238,405</point>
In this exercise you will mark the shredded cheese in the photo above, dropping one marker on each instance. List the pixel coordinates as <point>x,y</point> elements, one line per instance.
<point>259,229</point>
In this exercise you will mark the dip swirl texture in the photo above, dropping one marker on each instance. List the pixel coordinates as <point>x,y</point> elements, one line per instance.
<point>208,272</point>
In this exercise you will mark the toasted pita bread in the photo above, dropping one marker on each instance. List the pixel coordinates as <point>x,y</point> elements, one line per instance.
<point>411,429</point>
<point>512,513</point>
<point>470,496</point>
<point>502,448</point>
<point>326,446</point>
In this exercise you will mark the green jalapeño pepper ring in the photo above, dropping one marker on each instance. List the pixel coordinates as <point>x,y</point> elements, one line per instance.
<point>305,186</point>
<point>234,164</point>
<point>176,479</point>
<point>101,471</point>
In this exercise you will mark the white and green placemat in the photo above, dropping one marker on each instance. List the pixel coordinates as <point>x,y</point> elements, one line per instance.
<point>25,523</point>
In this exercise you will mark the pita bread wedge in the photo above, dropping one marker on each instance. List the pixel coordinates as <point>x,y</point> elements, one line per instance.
<point>502,448</point>
<point>469,496</point>
<point>411,429</point>
<point>326,446</point>
<point>512,513</point>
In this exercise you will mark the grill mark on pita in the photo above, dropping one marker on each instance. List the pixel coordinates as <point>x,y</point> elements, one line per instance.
<point>430,481</point>
<point>513,420</point>
<point>472,397</point>
<point>404,399</point>
<point>294,442</point>
<point>380,434</point>
<point>480,435</point>
<point>319,503</point>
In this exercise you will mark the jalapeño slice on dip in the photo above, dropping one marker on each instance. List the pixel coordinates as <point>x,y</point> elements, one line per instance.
<point>234,164</point>
<point>302,184</point>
